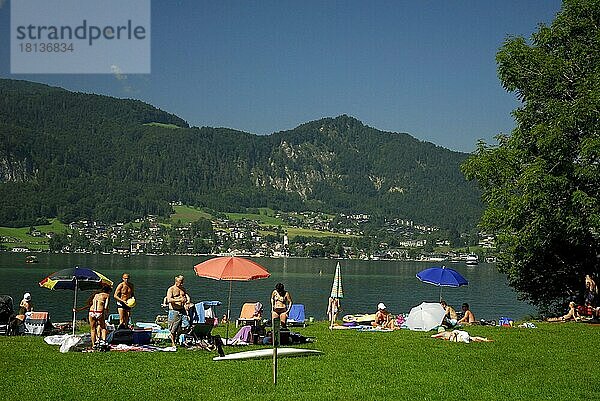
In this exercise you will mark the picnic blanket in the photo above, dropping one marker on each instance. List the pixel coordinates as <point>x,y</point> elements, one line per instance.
<point>141,348</point>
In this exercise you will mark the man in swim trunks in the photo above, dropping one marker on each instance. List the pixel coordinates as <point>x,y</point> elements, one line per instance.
<point>123,292</point>
<point>468,317</point>
<point>177,297</point>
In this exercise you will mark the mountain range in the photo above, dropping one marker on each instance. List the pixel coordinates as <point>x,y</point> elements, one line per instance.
<point>85,156</point>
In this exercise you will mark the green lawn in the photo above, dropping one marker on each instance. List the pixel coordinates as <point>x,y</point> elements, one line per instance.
<point>187,214</point>
<point>554,361</point>
<point>266,216</point>
<point>306,232</point>
<point>19,237</point>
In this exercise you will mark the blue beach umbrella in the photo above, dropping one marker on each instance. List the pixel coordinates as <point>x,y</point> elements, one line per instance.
<point>442,277</point>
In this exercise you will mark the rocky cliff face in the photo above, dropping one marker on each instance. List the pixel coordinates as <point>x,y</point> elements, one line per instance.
<point>15,170</point>
<point>297,168</point>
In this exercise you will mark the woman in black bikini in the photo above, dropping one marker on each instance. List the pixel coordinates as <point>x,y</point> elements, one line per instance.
<point>281,302</point>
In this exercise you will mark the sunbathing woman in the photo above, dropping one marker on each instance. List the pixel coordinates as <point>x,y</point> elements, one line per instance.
<point>383,318</point>
<point>459,336</point>
<point>281,303</point>
<point>571,315</point>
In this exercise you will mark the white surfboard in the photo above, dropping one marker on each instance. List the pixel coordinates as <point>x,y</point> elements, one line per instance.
<point>267,353</point>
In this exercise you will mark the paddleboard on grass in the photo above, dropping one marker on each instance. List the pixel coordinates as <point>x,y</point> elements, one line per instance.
<point>267,353</point>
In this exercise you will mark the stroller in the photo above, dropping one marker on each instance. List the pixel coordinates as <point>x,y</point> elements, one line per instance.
<point>7,315</point>
<point>202,320</point>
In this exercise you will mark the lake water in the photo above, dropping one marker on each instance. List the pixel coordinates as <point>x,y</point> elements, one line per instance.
<point>366,283</point>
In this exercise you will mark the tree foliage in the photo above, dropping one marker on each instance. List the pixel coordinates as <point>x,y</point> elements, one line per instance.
<point>541,183</point>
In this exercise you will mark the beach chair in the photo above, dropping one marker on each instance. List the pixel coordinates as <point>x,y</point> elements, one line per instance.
<point>6,312</point>
<point>201,326</point>
<point>35,323</point>
<point>249,315</point>
<point>113,321</point>
<point>296,316</point>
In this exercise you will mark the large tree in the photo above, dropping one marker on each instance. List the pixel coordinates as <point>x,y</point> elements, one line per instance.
<point>541,183</point>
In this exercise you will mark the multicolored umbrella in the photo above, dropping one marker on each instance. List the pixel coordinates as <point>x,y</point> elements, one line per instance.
<point>230,268</point>
<point>75,278</point>
<point>336,290</point>
<point>442,277</point>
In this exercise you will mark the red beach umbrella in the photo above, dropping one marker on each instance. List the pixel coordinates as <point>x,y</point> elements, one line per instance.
<point>230,268</point>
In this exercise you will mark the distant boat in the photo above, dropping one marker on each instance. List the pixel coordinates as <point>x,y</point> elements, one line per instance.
<point>31,259</point>
<point>472,260</point>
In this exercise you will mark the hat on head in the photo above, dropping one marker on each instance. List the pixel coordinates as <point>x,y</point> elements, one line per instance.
<point>27,296</point>
<point>381,306</point>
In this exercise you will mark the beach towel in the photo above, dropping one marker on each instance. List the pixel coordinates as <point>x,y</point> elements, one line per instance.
<point>242,337</point>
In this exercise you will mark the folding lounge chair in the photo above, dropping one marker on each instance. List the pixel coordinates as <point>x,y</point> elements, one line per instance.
<point>248,314</point>
<point>35,323</point>
<point>296,316</point>
<point>6,312</point>
<point>114,319</point>
<point>201,326</point>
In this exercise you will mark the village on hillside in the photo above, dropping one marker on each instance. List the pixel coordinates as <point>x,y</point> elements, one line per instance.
<point>291,234</point>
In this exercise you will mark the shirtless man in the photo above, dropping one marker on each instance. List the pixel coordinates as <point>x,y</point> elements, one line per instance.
<point>123,292</point>
<point>468,317</point>
<point>98,304</point>
<point>177,297</point>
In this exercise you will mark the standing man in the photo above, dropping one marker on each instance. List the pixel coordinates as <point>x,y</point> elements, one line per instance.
<point>177,297</point>
<point>123,293</point>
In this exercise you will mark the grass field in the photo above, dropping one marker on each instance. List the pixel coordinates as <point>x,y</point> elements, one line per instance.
<point>266,216</point>
<point>19,237</point>
<point>554,361</point>
<point>294,232</point>
<point>188,214</point>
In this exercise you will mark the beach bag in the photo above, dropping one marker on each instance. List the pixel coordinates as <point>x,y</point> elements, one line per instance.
<point>585,310</point>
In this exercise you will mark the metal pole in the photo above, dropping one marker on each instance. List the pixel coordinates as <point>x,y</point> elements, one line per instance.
<point>228,309</point>
<point>275,337</point>
<point>75,306</point>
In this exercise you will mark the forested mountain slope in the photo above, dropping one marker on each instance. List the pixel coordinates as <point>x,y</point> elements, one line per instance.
<point>75,155</point>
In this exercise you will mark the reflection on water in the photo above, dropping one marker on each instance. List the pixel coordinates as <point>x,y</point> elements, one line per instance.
<point>365,283</point>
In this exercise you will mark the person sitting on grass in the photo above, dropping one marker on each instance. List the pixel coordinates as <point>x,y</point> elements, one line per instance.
<point>459,336</point>
<point>468,317</point>
<point>571,315</point>
<point>383,318</point>
<point>450,318</point>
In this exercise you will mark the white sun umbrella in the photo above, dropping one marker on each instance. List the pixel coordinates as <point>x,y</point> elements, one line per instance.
<point>425,317</point>
<point>336,290</point>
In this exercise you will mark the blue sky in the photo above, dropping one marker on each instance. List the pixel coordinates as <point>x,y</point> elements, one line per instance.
<point>422,67</point>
